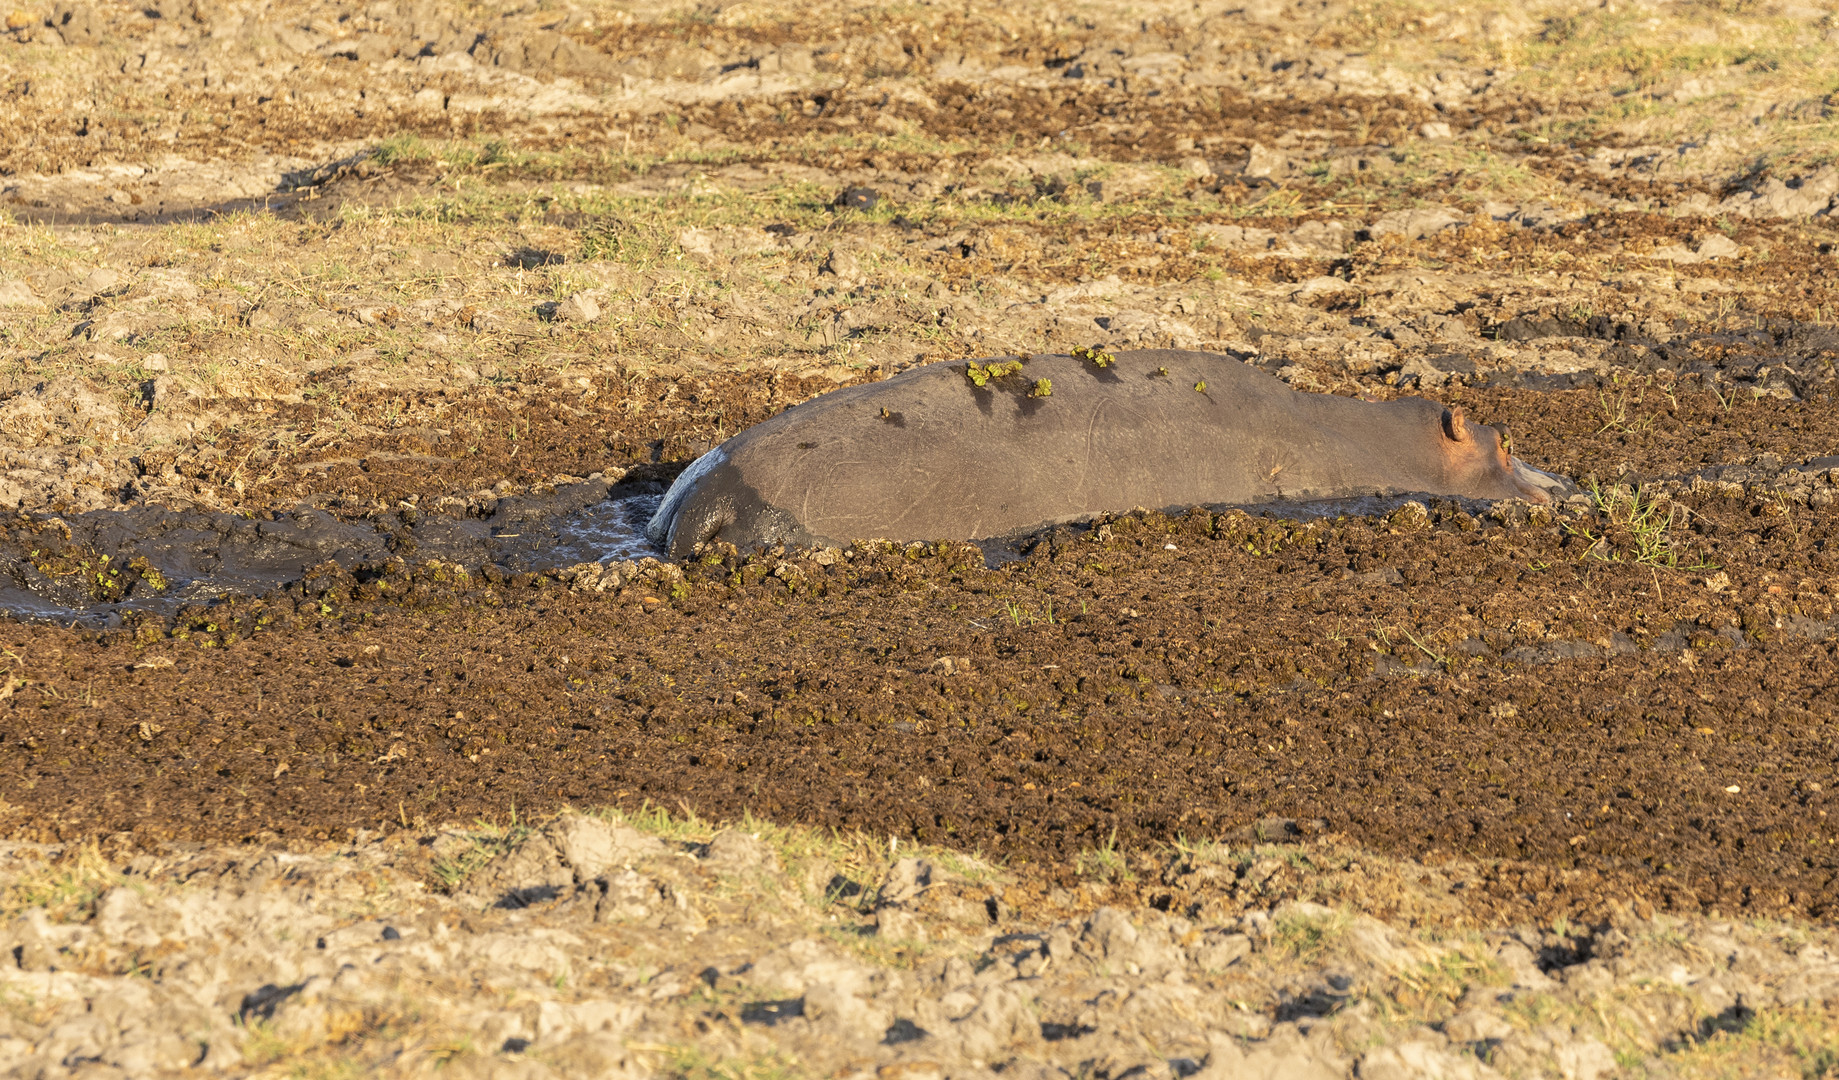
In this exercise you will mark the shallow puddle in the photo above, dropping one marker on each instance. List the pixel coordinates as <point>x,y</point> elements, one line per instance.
<point>607,531</point>
<point>92,568</point>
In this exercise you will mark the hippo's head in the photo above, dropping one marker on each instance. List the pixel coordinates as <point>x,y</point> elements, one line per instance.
<point>1478,465</point>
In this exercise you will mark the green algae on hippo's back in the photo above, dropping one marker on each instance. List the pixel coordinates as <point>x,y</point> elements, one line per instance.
<point>981,375</point>
<point>979,452</point>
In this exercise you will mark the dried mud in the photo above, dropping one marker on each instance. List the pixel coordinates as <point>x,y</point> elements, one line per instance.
<point>674,948</point>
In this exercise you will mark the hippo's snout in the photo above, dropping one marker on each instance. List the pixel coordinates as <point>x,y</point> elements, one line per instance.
<point>1541,486</point>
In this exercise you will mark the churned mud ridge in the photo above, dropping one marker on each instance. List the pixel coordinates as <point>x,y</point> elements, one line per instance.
<point>594,945</point>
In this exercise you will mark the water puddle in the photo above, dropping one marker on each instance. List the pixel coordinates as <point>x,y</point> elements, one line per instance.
<point>91,569</point>
<point>607,532</point>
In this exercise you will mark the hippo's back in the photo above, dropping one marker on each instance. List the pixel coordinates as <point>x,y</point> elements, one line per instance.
<point>929,454</point>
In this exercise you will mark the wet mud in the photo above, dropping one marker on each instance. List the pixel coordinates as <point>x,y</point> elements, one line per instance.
<point>92,569</point>
<point>1568,694</point>
<point>1543,690</point>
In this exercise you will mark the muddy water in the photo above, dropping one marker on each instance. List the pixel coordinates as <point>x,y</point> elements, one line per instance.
<point>91,568</point>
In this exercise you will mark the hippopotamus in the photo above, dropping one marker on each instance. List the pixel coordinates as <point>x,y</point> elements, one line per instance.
<point>981,449</point>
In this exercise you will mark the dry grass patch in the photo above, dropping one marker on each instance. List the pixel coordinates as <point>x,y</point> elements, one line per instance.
<point>66,884</point>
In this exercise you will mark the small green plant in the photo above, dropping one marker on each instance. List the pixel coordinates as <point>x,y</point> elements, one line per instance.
<point>1636,527</point>
<point>1200,387</point>
<point>1099,357</point>
<point>488,841</point>
<point>1537,1010</point>
<point>1784,509</point>
<point>694,1063</point>
<point>1042,388</point>
<point>447,1051</point>
<point>262,1045</point>
<point>1017,613</point>
<point>1615,408</point>
<point>1105,862</point>
<point>1306,935</point>
<point>983,374</point>
<point>405,147</point>
<point>1791,1036</point>
<point>1455,971</point>
<point>149,574</point>
<point>611,239</point>
<point>495,152</point>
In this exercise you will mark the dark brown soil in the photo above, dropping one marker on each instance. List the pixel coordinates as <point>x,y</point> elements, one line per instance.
<point>1462,687</point>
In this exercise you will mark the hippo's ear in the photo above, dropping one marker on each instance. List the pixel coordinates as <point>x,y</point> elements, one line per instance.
<point>1455,425</point>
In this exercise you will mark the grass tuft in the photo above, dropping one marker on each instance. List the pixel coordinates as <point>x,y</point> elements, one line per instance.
<point>68,887</point>
<point>1105,862</point>
<point>1306,935</point>
<point>1637,527</point>
<point>486,842</point>
<point>694,1063</point>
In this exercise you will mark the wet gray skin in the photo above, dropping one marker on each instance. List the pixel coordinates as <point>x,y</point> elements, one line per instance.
<point>930,455</point>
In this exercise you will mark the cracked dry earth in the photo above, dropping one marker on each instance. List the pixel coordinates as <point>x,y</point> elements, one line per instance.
<point>334,338</point>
